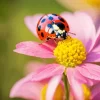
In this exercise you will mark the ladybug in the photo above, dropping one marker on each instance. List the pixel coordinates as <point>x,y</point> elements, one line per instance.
<point>52,26</point>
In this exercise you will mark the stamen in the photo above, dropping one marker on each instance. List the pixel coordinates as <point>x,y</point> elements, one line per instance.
<point>70,52</point>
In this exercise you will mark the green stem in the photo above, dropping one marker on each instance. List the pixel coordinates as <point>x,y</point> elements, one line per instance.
<point>66,86</point>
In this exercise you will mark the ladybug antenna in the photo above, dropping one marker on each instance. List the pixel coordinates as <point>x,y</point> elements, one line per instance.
<point>72,33</point>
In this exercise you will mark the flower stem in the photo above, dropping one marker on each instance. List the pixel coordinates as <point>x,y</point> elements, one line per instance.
<point>65,80</point>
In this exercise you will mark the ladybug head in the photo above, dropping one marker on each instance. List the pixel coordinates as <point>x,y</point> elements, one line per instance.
<point>60,25</point>
<point>59,30</point>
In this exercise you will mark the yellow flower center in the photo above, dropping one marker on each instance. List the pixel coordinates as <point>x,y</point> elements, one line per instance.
<point>70,52</point>
<point>58,95</point>
<point>95,3</point>
<point>86,92</point>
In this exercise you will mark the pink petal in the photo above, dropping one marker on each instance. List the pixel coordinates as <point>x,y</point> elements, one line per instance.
<point>96,92</point>
<point>26,89</point>
<point>97,97</point>
<point>93,57</point>
<point>31,22</point>
<point>33,66</point>
<point>96,41</point>
<point>96,49</point>
<point>49,44</point>
<point>54,82</point>
<point>80,78</point>
<point>82,25</point>
<point>34,49</point>
<point>76,75</point>
<point>48,71</point>
<point>90,71</point>
<point>75,85</point>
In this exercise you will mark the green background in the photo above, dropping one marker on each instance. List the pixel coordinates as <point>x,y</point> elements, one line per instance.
<point>13,31</point>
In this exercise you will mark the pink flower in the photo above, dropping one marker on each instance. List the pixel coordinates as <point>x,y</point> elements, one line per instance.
<point>82,70</point>
<point>33,66</point>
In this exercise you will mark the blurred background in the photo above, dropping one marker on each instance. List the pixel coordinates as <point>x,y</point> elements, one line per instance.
<point>13,31</point>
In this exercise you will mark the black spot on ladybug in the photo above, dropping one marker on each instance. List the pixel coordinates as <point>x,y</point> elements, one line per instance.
<point>54,14</point>
<point>42,34</point>
<point>61,19</point>
<point>39,28</point>
<point>52,32</point>
<point>49,25</point>
<point>50,18</point>
<point>43,20</point>
<point>60,25</point>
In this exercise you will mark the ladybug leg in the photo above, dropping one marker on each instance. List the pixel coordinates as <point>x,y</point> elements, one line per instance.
<point>69,37</point>
<point>48,38</point>
<point>55,40</point>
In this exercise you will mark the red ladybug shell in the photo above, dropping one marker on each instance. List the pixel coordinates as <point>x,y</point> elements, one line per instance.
<point>45,23</point>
